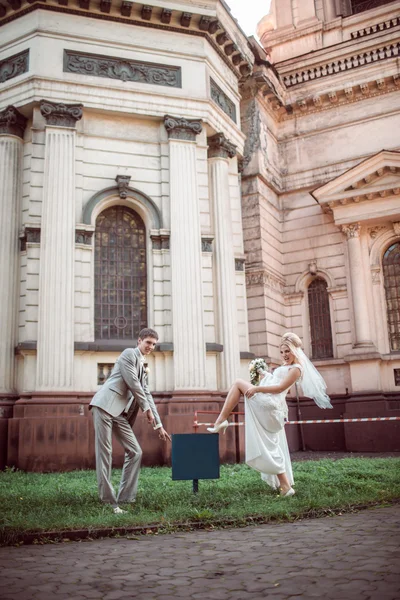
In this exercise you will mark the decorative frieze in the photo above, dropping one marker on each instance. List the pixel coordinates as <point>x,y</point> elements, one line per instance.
<point>123,185</point>
<point>61,115</point>
<point>222,100</point>
<point>12,122</point>
<point>264,278</point>
<point>30,235</point>
<point>179,128</point>
<point>396,227</point>
<point>14,65</point>
<point>123,69</point>
<point>220,147</point>
<point>344,64</point>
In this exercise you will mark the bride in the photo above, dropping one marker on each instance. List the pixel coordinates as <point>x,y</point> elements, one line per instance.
<point>266,412</point>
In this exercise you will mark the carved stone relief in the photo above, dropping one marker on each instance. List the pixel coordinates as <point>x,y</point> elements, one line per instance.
<point>14,65</point>
<point>12,122</point>
<point>222,100</point>
<point>351,231</point>
<point>123,185</point>
<point>83,237</point>
<point>182,129</point>
<point>239,264</point>
<point>160,242</point>
<point>206,244</point>
<point>123,69</point>
<point>220,147</point>
<point>61,115</point>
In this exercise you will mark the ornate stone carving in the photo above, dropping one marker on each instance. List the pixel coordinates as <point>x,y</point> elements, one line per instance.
<point>146,12</point>
<point>166,16</point>
<point>222,100</point>
<point>376,27</point>
<point>123,185</point>
<point>126,8</point>
<point>61,115</point>
<point>181,128</point>
<point>347,63</point>
<point>12,122</point>
<point>118,68</point>
<point>204,23</point>
<point>312,267</point>
<point>374,231</point>
<point>220,147</point>
<point>239,264</point>
<point>31,235</point>
<point>105,6</point>
<point>396,227</point>
<point>83,237</point>
<point>185,19</point>
<point>351,231</point>
<point>264,278</point>
<point>160,241</point>
<point>206,244</point>
<point>14,65</point>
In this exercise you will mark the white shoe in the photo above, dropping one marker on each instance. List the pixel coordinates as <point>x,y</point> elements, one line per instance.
<point>118,511</point>
<point>290,492</point>
<point>217,428</point>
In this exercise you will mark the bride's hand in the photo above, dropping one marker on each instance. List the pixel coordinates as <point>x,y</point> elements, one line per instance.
<point>251,391</point>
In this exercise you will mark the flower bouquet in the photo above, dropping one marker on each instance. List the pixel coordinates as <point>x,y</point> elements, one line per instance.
<point>258,367</point>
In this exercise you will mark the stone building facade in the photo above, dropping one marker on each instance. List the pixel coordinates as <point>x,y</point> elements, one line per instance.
<point>321,203</point>
<point>120,207</point>
<point>158,168</point>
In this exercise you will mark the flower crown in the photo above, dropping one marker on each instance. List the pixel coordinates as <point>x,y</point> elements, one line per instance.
<point>257,367</point>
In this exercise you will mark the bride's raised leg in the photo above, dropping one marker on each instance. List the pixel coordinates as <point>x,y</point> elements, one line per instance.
<point>237,389</point>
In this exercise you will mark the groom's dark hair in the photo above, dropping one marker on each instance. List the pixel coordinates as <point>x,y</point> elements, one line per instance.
<point>148,333</point>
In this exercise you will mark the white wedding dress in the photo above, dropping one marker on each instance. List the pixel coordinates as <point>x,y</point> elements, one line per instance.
<point>266,445</point>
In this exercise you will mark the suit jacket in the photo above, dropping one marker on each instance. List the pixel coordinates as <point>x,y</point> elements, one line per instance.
<point>126,388</point>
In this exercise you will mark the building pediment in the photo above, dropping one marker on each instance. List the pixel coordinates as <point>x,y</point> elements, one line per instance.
<point>369,191</point>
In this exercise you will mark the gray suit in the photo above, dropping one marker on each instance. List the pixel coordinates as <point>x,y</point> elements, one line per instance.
<point>115,407</point>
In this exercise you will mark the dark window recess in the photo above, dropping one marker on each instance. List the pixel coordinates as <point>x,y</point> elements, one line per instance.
<point>391,278</point>
<point>120,274</point>
<point>358,6</point>
<point>320,319</point>
<point>396,373</point>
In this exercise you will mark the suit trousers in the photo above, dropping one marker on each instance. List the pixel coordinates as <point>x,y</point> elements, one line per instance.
<point>104,426</point>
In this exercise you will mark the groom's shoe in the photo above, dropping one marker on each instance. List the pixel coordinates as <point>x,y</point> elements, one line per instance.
<point>118,511</point>
<point>217,428</point>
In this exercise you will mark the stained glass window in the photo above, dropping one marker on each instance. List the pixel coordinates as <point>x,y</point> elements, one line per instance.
<point>391,277</point>
<point>320,319</point>
<point>120,274</point>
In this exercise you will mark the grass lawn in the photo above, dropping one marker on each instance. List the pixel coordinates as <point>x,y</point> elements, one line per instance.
<point>34,502</point>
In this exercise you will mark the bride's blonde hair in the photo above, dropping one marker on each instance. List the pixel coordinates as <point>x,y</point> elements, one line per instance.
<point>291,338</point>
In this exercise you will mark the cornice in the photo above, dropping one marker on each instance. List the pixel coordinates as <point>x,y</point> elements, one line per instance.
<point>143,15</point>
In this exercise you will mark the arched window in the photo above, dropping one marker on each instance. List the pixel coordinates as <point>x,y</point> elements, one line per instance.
<point>391,278</point>
<point>120,274</point>
<point>359,6</point>
<point>320,319</point>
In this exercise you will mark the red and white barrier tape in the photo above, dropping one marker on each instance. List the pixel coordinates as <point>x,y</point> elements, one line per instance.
<point>312,421</point>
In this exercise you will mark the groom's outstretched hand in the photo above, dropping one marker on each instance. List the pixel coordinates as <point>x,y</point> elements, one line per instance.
<point>163,435</point>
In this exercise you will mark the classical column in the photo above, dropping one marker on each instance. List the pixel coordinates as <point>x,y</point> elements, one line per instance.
<point>12,126</point>
<point>55,346</point>
<point>358,286</point>
<point>220,150</point>
<point>186,280</point>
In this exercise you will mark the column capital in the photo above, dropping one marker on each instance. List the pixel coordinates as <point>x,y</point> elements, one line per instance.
<point>179,128</point>
<point>12,122</point>
<point>220,147</point>
<point>351,231</point>
<point>59,114</point>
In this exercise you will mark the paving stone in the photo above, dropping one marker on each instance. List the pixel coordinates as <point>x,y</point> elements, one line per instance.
<point>351,557</point>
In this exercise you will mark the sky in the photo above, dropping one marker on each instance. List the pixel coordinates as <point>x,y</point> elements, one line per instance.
<point>249,13</point>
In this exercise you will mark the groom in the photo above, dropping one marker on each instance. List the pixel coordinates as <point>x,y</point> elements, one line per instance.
<point>115,407</point>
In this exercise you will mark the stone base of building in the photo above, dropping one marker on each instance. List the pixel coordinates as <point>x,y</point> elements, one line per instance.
<point>54,432</point>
